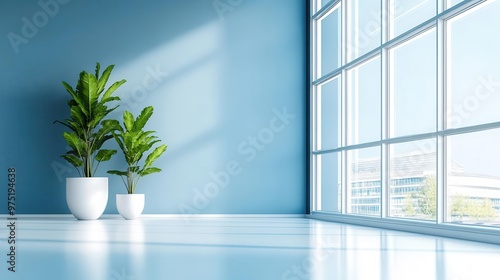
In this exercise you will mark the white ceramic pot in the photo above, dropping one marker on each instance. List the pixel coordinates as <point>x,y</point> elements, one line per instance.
<point>87,197</point>
<point>130,206</point>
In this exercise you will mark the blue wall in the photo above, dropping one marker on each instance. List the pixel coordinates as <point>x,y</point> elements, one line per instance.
<point>219,73</point>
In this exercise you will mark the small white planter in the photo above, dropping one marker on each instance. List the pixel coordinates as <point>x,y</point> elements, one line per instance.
<point>130,206</point>
<point>87,197</point>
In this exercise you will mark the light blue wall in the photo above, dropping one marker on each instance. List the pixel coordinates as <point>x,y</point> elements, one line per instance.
<point>217,72</point>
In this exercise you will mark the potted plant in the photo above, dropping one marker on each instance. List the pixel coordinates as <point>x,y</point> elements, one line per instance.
<point>87,195</point>
<point>134,142</point>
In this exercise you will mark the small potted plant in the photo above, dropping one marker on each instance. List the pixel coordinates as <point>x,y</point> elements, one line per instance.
<point>87,196</point>
<point>134,142</point>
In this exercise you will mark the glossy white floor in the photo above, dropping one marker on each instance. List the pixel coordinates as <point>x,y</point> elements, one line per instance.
<point>61,247</point>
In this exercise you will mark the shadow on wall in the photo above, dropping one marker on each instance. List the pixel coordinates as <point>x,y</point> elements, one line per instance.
<point>212,69</point>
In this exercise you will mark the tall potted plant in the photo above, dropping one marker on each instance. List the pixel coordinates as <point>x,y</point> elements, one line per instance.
<point>134,142</point>
<point>87,195</point>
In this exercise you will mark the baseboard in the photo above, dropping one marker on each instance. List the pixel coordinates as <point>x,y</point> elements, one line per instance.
<point>159,216</point>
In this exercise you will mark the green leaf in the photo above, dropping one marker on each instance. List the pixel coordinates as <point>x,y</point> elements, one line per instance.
<point>104,133</point>
<point>149,170</point>
<point>118,139</point>
<point>93,95</point>
<point>149,143</point>
<point>137,155</point>
<point>128,121</point>
<point>78,116</point>
<point>74,142</point>
<point>99,142</point>
<point>97,69</point>
<point>112,88</point>
<point>104,155</point>
<point>145,138</point>
<point>109,99</point>
<point>69,89</point>
<point>104,78</point>
<point>73,160</point>
<point>99,115</point>
<point>154,155</point>
<point>118,172</point>
<point>77,101</point>
<point>143,118</point>
<point>67,124</point>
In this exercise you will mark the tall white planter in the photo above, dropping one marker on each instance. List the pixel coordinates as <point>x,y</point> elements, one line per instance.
<point>87,197</point>
<point>130,206</point>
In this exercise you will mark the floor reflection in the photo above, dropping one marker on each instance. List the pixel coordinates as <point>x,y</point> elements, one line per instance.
<point>86,246</point>
<point>238,248</point>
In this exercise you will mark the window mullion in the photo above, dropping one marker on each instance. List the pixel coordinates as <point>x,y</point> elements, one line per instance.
<point>384,118</point>
<point>346,197</point>
<point>440,115</point>
<point>315,190</point>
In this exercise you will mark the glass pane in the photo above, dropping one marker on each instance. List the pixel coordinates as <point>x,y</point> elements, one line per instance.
<point>329,112</point>
<point>406,14</point>
<point>413,86</point>
<point>474,76</point>
<point>364,105</point>
<point>364,181</point>
<point>364,27</point>
<point>329,182</point>
<point>473,181</point>
<point>451,3</point>
<point>329,43</point>
<point>413,180</point>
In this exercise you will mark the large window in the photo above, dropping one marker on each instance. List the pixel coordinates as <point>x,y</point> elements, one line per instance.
<point>405,111</point>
